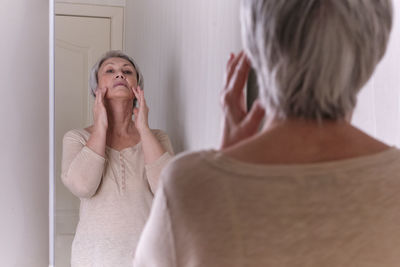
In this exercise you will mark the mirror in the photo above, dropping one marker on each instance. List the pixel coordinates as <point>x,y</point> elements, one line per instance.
<point>181,56</point>
<point>82,34</point>
<point>182,48</point>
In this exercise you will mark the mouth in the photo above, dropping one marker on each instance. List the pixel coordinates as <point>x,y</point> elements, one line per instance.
<point>120,84</point>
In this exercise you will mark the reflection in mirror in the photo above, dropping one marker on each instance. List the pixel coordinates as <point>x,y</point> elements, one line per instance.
<point>82,34</point>
<point>182,60</point>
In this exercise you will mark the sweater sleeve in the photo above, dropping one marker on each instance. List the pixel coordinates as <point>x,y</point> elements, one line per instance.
<point>154,169</point>
<point>156,245</point>
<point>82,168</point>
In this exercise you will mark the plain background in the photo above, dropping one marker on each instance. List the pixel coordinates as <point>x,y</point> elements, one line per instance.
<point>24,99</point>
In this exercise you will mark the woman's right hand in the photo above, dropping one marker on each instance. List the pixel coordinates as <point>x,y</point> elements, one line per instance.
<point>98,136</point>
<point>99,111</point>
<point>238,124</point>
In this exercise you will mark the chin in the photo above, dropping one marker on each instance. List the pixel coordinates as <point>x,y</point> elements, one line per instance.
<point>119,95</point>
<point>121,91</point>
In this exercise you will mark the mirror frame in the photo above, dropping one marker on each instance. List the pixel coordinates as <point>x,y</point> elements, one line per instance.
<point>51,133</point>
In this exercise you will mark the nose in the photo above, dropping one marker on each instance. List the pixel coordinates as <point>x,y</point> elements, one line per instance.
<point>119,74</point>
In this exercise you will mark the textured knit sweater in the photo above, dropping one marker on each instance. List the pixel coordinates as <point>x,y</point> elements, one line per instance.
<point>212,210</point>
<point>116,194</point>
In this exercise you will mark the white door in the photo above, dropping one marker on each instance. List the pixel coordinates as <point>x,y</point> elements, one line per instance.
<point>79,41</point>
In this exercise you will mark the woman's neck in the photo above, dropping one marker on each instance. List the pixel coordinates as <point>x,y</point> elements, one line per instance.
<point>119,114</point>
<point>304,141</point>
<point>298,124</point>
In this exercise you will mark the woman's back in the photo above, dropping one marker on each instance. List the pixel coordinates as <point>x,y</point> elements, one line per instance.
<point>217,211</point>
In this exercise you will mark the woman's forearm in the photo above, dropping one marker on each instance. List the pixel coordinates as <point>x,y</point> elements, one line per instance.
<point>81,168</point>
<point>83,175</point>
<point>152,148</point>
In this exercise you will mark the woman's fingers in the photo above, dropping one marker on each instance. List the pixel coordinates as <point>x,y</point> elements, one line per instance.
<point>233,100</point>
<point>98,97</point>
<point>232,68</point>
<point>240,76</point>
<point>142,99</point>
<point>238,123</point>
<point>135,112</point>
<point>235,131</point>
<point>139,93</point>
<point>99,110</point>
<point>233,95</point>
<point>231,57</point>
<point>228,64</point>
<point>97,93</point>
<point>102,94</point>
<point>254,118</point>
<point>136,92</point>
<point>141,112</point>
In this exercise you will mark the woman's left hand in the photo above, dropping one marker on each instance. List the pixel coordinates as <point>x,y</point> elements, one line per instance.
<point>141,113</point>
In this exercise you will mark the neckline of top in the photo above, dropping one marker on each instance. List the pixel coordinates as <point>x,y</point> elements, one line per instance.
<point>220,160</point>
<point>113,149</point>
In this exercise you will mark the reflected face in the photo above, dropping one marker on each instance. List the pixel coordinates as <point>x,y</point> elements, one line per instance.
<point>119,76</point>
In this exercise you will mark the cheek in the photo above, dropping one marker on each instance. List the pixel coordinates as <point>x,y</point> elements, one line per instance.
<point>133,82</point>
<point>103,81</point>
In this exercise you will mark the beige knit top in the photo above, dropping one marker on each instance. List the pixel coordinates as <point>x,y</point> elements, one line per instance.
<point>115,201</point>
<point>212,210</point>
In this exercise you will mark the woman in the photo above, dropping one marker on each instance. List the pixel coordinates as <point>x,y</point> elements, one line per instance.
<point>310,189</point>
<point>113,166</point>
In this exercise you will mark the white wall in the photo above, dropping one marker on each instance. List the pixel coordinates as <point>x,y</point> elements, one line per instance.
<point>24,133</point>
<point>182,47</point>
<point>378,109</point>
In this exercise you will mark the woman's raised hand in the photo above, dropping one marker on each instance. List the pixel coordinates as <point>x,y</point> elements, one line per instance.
<point>99,111</point>
<point>238,124</point>
<point>141,113</point>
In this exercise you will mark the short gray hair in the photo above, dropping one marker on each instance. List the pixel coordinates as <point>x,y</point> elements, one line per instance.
<point>93,78</point>
<point>313,56</point>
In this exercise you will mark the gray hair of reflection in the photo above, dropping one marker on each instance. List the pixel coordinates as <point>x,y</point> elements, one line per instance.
<point>93,78</point>
<point>312,57</point>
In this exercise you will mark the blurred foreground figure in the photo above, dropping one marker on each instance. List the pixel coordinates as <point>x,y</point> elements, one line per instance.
<point>310,189</point>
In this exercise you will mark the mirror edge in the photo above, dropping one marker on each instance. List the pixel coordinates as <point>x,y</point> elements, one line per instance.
<point>51,133</point>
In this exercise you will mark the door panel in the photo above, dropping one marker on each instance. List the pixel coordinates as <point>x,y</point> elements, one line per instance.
<point>80,41</point>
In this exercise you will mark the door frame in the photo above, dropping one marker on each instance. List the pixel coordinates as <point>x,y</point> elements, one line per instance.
<point>115,14</point>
